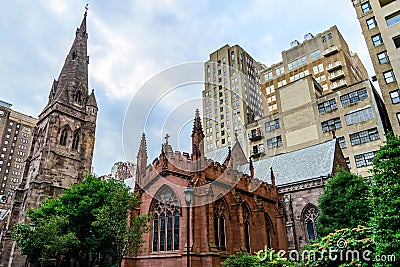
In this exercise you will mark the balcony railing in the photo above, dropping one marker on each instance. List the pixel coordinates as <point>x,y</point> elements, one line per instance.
<point>256,137</point>
<point>330,50</point>
<point>339,84</point>
<point>336,75</point>
<point>334,66</point>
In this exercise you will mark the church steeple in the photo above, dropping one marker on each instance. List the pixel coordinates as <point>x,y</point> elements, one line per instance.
<point>197,137</point>
<point>72,85</point>
<point>141,159</point>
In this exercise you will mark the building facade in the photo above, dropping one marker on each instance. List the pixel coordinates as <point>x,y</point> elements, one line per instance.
<point>355,115</point>
<point>122,170</point>
<point>379,21</point>
<point>231,97</point>
<point>326,57</point>
<point>231,211</point>
<point>16,132</point>
<point>62,145</point>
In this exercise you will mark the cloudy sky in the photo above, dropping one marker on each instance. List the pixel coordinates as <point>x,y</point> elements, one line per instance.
<point>131,42</point>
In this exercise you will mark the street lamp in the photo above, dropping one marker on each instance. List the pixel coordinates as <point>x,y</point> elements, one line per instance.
<point>188,193</point>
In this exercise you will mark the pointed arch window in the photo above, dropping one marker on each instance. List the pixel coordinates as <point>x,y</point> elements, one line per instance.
<point>310,215</point>
<point>75,141</point>
<point>269,230</point>
<point>220,225</point>
<point>74,54</point>
<point>166,221</point>
<point>63,137</point>
<point>78,96</point>
<point>246,221</point>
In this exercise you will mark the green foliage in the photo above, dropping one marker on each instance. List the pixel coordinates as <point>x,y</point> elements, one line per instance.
<point>385,199</point>
<point>263,259</point>
<point>89,219</point>
<point>345,247</point>
<point>344,203</point>
<point>241,259</point>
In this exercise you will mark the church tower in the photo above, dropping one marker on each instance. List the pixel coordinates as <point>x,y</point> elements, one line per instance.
<point>63,141</point>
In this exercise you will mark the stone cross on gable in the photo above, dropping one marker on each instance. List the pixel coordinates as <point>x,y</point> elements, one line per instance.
<point>167,136</point>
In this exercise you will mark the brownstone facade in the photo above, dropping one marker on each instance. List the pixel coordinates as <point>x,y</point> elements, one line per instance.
<point>230,212</point>
<point>63,143</point>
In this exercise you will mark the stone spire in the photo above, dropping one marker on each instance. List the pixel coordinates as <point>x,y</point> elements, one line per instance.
<point>197,137</point>
<point>251,168</point>
<point>72,84</point>
<point>272,177</point>
<point>141,159</point>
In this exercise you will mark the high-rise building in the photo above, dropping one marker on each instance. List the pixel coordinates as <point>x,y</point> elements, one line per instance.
<point>354,115</point>
<point>326,57</point>
<point>231,97</point>
<point>122,170</point>
<point>379,21</point>
<point>62,145</point>
<point>16,139</point>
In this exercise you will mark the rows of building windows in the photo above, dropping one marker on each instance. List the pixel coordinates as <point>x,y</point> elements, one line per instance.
<point>327,106</point>
<point>272,125</point>
<point>297,63</point>
<point>364,159</point>
<point>354,97</point>
<point>395,96</point>
<point>364,136</point>
<point>274,142</point>
<point>359,116</point>
<point>331,124</point>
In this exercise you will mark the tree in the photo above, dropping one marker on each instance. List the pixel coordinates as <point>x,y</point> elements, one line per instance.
<point>343,204</point>
<point>88,222</point>
<point>385,200</point>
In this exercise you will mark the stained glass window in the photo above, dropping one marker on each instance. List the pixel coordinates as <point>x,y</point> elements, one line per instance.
<point>220,225</point>
<point>269,230</point>
<point>310,215</point>
<point>246,218</point>
<point>166,221</point>
<point>176,230</point>
<point>155,233</point>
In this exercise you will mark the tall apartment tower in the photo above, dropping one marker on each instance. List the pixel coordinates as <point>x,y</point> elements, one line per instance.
<point>16,138</point>
<point>63,142</point>
<point>379,20</point>
<point>325,56</point>
<point>231,97</point>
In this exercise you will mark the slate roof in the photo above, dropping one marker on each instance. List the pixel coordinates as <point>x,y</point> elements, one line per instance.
<point>296,166</point>
<point>218,155</point>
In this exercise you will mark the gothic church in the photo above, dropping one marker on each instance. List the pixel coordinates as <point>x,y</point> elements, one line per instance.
<point>63,142</point>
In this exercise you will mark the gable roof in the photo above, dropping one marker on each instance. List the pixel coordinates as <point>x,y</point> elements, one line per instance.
<point>219,155</point>
<point>296,166</point>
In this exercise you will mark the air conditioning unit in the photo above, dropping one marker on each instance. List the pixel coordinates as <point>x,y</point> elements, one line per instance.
<point>308,36</point>
<point>3,199</point>
<point>294,43</point>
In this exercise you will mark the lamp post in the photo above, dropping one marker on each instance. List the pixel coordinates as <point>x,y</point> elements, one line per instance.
<point>188,193</point>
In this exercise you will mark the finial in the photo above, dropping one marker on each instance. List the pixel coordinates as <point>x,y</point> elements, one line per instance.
<point>86,7</point>
<point>197,114</point>
<point>272,177</point>
<point>333,134</point>
<point>167,136</point>
<point>251,167</point>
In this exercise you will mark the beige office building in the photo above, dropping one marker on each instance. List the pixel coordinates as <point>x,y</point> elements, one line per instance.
<point>326,56</point>
<point>379,20</point>
<point>16,139</point>
<point>231,97</point>
<point>306,115</point>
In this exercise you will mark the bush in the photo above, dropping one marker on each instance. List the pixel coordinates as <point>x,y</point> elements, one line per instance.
<point>263,259</point>
<point>345,247</point>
